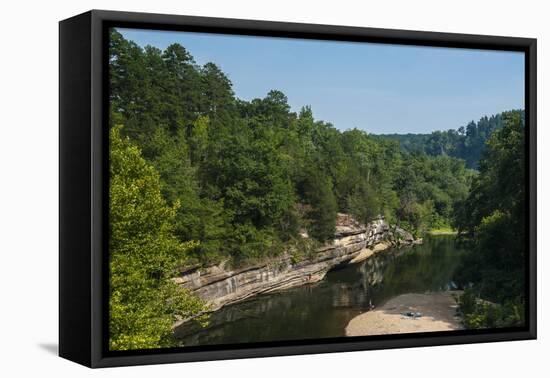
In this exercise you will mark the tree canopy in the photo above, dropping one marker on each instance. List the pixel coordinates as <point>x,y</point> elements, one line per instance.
<point>466,142</point>
<point>144,255</point>
<point>249,175</point>
<point>493,219</point>
<point>201,177</point>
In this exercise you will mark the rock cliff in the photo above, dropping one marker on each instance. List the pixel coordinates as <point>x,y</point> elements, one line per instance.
<point>353,242</point>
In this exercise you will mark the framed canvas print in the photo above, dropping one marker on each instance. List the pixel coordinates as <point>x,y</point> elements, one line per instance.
<point>234,188</point>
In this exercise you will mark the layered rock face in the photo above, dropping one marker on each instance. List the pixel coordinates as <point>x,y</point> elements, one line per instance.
<point>352,243</point>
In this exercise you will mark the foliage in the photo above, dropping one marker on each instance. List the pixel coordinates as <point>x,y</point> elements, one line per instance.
<point>478,313</point>
<point>318,194</point>
<point>200,177</point>
<point>466,142</point>
<point>492,218</point>
<point>240,168</point>
<point>144,255</point>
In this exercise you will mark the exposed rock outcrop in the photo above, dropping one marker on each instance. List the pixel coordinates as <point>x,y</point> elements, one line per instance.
<point>353,242</point>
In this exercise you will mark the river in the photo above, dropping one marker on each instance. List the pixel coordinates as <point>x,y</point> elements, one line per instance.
<point>323,309</point>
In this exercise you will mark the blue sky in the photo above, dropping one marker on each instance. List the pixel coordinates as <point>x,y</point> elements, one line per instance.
<point>374,87</point>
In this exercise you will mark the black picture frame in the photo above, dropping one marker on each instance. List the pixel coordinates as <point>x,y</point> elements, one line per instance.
<point>83,182</point>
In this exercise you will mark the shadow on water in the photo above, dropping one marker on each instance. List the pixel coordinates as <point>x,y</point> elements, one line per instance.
<point>324,309</point>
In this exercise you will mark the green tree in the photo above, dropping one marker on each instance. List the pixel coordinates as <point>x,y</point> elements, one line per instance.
<point>493,218</point>
<point>241,169</point>
<point>217,90</point>
<point>144,255</point>
<point>319,195</point>
<point>364,203</point>
<point>467,142</point>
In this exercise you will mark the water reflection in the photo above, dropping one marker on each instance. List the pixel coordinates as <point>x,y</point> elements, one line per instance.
<point>323,309</point>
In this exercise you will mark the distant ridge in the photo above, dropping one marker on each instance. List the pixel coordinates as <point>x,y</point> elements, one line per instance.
<point>466,142</point>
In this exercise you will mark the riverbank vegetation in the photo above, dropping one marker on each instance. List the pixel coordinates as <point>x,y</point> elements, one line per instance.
<point>492,220</point>
<point>201,177</point>
<point>144,255</point>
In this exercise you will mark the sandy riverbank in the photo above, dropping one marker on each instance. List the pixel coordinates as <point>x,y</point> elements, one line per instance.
<point>438,314</point>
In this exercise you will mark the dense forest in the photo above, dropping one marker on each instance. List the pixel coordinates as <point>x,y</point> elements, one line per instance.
<point>466,142</point>
<point>200,177</point>
<point>492,220</point>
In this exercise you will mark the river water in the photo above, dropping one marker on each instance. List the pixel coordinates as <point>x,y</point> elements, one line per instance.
<point>323,309</point>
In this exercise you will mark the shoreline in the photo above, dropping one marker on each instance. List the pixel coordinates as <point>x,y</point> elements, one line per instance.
<point>442,232</point>
<point>360,256</point>
<point>353,242</point>
<point>438,311</point>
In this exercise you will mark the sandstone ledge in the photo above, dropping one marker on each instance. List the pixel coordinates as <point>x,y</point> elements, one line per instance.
<point>353,243</point>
